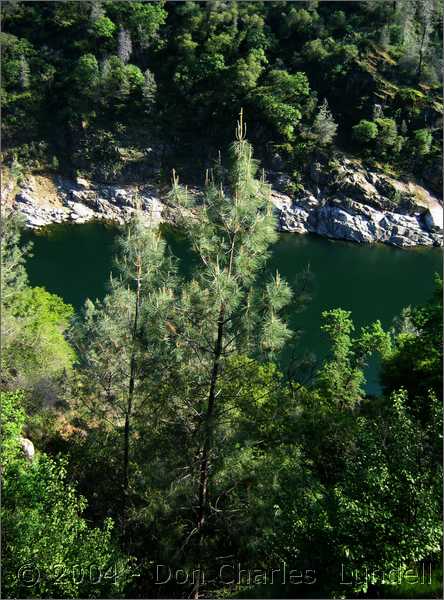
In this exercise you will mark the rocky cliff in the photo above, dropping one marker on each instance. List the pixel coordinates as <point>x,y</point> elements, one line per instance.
<point>346,201</point>
<point>341,200</point>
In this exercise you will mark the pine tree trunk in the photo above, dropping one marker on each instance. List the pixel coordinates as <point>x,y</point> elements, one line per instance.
<point>129,406</point>
<point>207,443</point>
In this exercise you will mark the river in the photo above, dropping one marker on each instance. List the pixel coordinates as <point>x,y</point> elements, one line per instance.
<point>372,281</point>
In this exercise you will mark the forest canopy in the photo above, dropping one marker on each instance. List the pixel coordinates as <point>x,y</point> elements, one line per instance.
<point>108,88</point>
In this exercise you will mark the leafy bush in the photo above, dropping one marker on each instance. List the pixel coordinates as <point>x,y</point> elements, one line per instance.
<point>206,64</point>
<point>365,131</point>
<point>103,27</point>
<point>98,155</point>
<point>422,141</point>
<point>387,131</point>
<point>48,549</point>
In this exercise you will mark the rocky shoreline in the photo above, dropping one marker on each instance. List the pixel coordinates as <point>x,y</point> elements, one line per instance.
<point>81,201</point>
<point>347,202</point>
<point>349,220</point>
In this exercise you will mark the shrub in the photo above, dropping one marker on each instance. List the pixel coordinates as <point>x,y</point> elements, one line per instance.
<point>387,131</point>
<point>365,131</point>
<point>422,141</point>
<point>46,531</point>
<point>104,27</point>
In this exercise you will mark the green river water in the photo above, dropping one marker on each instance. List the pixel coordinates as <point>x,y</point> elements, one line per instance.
<point>372,281</point>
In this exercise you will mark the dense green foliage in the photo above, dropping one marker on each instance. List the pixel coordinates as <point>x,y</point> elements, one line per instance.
<point>111,88</point>
<point>48,548</point>
<point>34,350</point>
<point>176,423</point>
<point>417,355</point>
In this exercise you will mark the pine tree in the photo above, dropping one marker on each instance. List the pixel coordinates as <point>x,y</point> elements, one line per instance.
<point>121,340</point>
<point>13,257</point>
<point>405,13</point>
<point>97,11</point>
<point>125,46</point>
<point>416,18</point>
<point>324,125</point>
<point>14,280</point>
<point>426,14</point>
<point>222,311</point>
<point>384,39</point>
<point>149,89</point>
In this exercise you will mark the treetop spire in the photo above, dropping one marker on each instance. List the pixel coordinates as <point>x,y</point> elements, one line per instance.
<point>241,128</point>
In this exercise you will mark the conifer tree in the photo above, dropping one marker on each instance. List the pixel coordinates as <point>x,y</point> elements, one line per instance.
<point>125,47</point>
<point>324,125</point>
<point>223,310</point>
<point>426,10</point>
<point>149,88</point>
<point>24,73</point>
<point>97,10</point>
<point>121,340</point>
<point>13,256</point>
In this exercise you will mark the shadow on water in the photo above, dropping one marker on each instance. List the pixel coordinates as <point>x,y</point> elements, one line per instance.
<point>73,261</point>
<point>372,281</point>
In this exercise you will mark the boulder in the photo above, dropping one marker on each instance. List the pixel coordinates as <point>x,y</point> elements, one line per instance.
<point>280,200</point>
<point>24,198</point>
<point>80,209</point>
<point>433,218</point>
<point>350,220</point>
<point>309,200</point>
<point>340,200</point>
<point>27,448</point>
<point>82,183</point>
<point>294,219</point>
<point>122,197</point>
<point>336,222</point>
<point>80,212</point>
<point>34,215</point>
<point>78,196</point>
<point>153,207</point>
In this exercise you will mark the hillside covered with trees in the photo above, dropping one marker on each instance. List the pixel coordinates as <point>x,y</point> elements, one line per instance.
<point>108,88</point>
<point>155,444</point>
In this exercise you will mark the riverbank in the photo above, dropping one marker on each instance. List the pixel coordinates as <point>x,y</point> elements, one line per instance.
<point>341,200</point>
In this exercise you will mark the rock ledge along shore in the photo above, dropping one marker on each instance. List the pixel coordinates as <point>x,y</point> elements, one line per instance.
<point>347,202</point>
<point>352,203</point>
